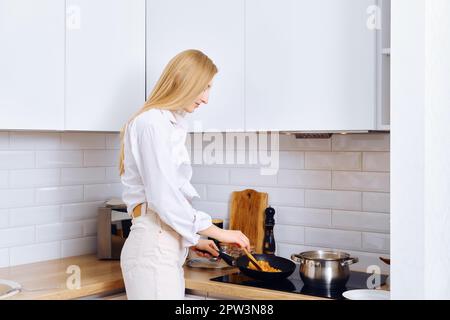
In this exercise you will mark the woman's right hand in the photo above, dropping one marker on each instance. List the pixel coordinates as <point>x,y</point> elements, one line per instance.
<point>234,236</point>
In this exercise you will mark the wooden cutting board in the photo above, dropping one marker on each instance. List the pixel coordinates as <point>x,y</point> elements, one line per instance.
<point>247,214</point>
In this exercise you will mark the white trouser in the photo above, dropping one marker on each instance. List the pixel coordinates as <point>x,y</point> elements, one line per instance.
<point>152,260</point>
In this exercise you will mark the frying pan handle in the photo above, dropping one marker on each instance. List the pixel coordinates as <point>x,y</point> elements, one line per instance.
<point>226,257</point>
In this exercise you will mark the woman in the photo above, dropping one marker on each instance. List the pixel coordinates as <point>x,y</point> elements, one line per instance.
<point>155,171</point>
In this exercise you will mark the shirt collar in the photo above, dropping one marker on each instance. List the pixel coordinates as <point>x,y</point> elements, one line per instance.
<point>175,117</point>
<point>169,115</point>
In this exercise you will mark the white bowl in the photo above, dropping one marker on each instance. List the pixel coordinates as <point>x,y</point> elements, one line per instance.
<point>15,288</point>
<point>367,294</point>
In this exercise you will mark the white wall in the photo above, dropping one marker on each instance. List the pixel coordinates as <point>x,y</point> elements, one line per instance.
<point>420,60</point>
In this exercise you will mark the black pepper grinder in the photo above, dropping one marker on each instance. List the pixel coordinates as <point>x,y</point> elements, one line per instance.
<point>269,239</point>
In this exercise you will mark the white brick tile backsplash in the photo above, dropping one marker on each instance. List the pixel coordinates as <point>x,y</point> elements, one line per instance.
<point>305,179</point>
<point>303,216</point>
<point>290,234</point>
<point>34,178</point>
<point>367,260</point>
<point>17,159</point>
<point>338,239</point>
<point>237,140</point>
<point>101,158</point>
<point>346,200</point>
<point>82,140</point>
<point>363,181</point>
<point>113,141</point>
<point>35,253</point>
<point>327,193</point>
<point>59,195</point>
<point>194,141</point>
<point>238,158</point>
<point>368,221</point>
<point>70,176</point>
<point>361,142</point>
<point>4,177</point>
<point>292,160</point>
<point>4,140</point>
<point>90,227</point>
<point>376,161</point>
<point>227,158</point>
<point>16,198</point>
<point>376,202</point>
<point>217,210</point>
<point>221,193</point>
<point>112,174</point>
<point>80,211</point>
<point>4,258</point>
<point>253,177</point>
<point>201,190</point>
<point>16,236</point>
<point>284,196</point>
<point>376,242</point>
<point>210,175</point>
<point>277,196</point>
<point>59,231</point>
<point>97,192</point>
<point>289,142</point>
<point>333,160</point>
<point>4,218</point>
<point>285,250</point>
<point>59,159</point>
<point>35,140</point>
<point>246,158</point>
<point>77,247</point>
<point>34,215</point>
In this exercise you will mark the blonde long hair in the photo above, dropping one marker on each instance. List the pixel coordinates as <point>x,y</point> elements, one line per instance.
<point>184,78</point>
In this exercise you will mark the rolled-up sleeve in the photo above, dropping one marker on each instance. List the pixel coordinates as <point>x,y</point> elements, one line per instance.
<point>159,176</point>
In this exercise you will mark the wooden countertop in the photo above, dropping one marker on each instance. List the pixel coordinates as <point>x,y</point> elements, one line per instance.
<point>47,280</point>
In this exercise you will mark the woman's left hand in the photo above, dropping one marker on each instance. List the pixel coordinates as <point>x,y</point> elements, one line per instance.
<point>206,248</point>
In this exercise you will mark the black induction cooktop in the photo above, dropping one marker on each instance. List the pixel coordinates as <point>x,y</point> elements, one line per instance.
<point>293,284</point>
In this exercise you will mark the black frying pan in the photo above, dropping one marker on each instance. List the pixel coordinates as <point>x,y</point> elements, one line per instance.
<point>286,266</point>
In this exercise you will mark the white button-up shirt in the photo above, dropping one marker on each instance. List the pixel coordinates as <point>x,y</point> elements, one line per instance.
<point>158,171</point>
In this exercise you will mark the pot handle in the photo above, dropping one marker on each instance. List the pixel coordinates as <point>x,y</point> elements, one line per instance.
<point>349,261</point>
<point>297,258</point>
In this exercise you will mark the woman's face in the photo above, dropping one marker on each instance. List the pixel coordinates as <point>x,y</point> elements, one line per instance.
<point>202,98</point>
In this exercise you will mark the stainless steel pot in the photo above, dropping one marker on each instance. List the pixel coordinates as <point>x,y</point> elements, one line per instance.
<point>324,268</point>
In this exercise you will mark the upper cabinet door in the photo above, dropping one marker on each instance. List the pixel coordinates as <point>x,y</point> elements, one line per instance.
<point>32,64</point>
<point>310,65</point>
<point>217,29</point>
<point>105,63</point>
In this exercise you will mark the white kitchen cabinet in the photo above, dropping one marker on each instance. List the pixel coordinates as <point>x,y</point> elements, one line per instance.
<point>217,29</point>
<point>32,64</point>
<point>384,66</point>
<point>105,63</point>
<point>310,65</point>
